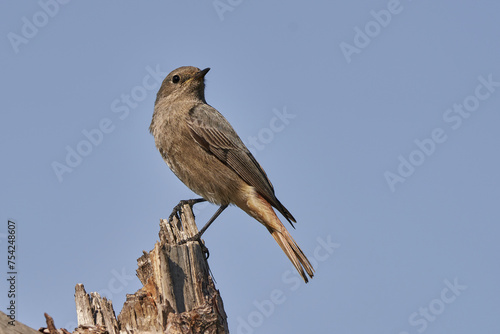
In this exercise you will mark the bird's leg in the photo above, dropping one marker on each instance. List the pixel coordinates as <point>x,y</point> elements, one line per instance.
<point>178,207</point>
<point>198,235</point>
<point>207,225</point>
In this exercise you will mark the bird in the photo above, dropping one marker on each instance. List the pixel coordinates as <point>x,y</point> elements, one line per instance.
<point>204,151</point>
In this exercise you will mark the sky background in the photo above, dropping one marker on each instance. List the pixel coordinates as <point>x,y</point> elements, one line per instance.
<point>387,156</point>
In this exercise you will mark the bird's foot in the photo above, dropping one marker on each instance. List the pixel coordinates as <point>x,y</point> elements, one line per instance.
<point>178,208</point>
<point>197,237</point>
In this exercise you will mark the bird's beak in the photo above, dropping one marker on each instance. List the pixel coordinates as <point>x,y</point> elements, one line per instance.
<point>201,74</point>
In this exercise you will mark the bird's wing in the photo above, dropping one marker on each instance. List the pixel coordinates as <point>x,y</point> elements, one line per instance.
<point>214,133</point>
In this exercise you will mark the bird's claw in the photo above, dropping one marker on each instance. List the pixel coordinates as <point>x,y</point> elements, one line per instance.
<point>197,237</point>
<point>178,208</point>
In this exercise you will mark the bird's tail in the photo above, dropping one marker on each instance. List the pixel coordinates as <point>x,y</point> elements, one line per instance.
<point>259,208</point>
<point>293,251</point>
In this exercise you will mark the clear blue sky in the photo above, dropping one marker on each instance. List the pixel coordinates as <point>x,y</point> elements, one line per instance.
<point>377,122</point>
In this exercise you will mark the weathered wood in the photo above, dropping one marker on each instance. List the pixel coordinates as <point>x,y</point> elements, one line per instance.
<point>51,327</point>
<point>178,295</point>
<point>50,324</point>
<point>94,312</point>
<point>83,311</point>
<point>17,328</point>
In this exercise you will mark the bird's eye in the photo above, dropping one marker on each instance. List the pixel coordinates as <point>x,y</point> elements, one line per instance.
<point>176,79</point>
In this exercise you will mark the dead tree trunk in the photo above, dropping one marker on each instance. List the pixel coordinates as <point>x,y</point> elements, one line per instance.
<point>178,293</point>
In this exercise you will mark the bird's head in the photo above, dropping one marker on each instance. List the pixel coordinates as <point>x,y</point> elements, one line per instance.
<point>185,82</point>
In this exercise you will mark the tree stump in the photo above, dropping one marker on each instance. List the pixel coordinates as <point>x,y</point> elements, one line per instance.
<point>178,293</point>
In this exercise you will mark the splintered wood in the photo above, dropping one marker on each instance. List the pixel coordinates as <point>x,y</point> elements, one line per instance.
<point>178,293</point>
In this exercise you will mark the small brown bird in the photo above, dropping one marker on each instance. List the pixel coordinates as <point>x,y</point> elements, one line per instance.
<point>203,150</point>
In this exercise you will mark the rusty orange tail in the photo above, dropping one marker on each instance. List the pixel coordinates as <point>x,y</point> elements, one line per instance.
<point>294,253</point>
<point>256,206</point>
